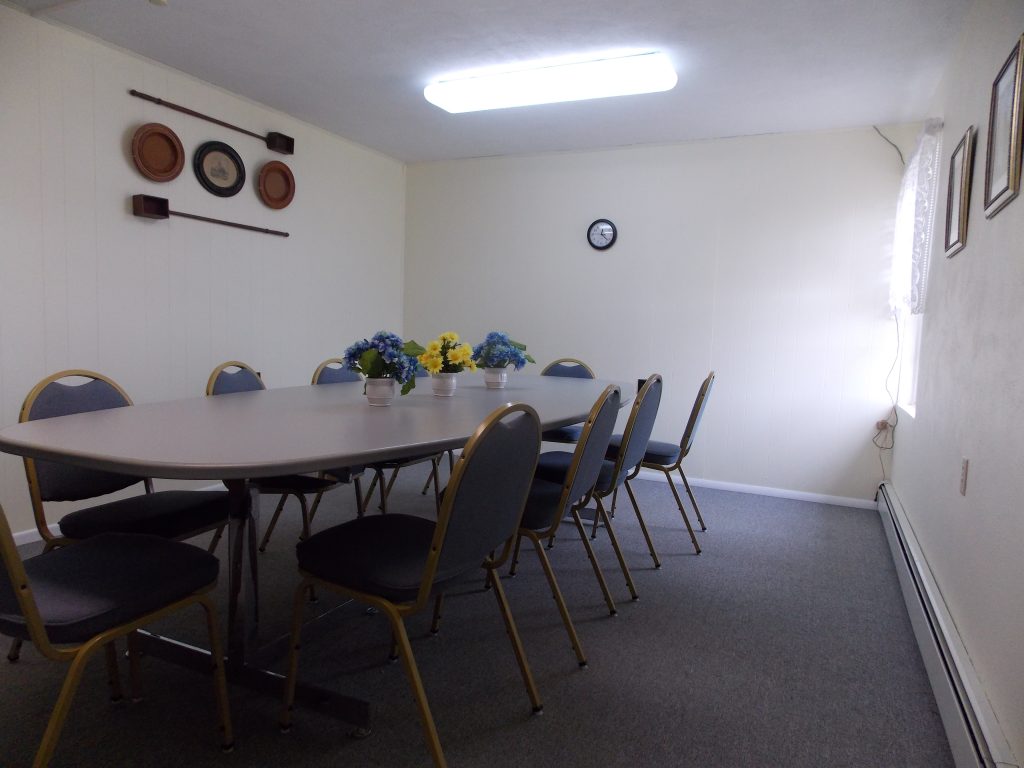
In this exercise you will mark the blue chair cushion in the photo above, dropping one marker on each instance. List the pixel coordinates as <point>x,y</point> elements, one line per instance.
<point>381,554</point>
<point>169,514</point>
<point>569,434</point>
<point>553,466</point>
<point>657,452</point>
<point>94,585</point>
<point>542,505</point>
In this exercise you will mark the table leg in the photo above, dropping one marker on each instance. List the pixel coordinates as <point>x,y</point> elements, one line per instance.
<point>243,594</point>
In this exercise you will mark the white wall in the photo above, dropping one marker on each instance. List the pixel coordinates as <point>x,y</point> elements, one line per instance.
<point>765,258</point>
<point>970,397</point>
<point>156,304</point>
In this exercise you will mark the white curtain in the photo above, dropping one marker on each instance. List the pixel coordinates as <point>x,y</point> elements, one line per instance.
<point>915,219</point>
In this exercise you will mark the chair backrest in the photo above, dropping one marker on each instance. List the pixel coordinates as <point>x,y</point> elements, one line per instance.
<point>638,428</point>
<point>568,367</point>
<point>243,379</point>
<point>695,415</point>
<point>591,448</point>
<point>333,371</point>
<point>17,605</point>
<point>54,396</point>
<point>483,503</point>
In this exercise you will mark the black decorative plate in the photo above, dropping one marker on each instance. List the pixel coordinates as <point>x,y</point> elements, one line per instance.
<point>219,168</point>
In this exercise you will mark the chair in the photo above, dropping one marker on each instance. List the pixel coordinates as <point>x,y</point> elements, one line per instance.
<point>668,457</point>
<point>549,502</point>
<point>170,514</point>
<point>566,367</point>
<point>397,563</point>
<point>332,371</point>
<point>554,466</point>
<point>73,601</point>
<point>243,378</point>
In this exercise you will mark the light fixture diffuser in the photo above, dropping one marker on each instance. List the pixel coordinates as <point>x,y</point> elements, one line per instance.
<point>549,83</point>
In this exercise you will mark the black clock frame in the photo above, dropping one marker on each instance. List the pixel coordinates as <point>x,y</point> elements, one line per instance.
<point>610,243</point>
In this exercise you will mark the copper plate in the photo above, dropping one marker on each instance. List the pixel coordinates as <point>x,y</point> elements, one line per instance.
<point>277,185</point>
<point>157,152</point>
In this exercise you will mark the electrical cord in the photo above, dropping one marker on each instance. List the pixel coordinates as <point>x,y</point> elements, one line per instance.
<point>902,161</point>
<point>885,438</point>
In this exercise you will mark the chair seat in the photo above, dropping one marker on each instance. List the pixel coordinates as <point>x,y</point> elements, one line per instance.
<point>542,505</point>
<point>170,514</point>
<point>304,484</point>
<point>569,434</point>
<point>345,474</point>
<point>663,454</point>
<point>553,466</point>
<point>383,555</point>
<point>399,463</point>
<point>105,581</point>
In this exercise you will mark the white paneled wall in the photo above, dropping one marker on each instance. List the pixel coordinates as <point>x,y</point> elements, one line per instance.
<point>765,258</point>
<point>156,304</point>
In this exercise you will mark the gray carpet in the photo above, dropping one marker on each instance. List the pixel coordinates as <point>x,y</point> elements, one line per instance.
<point>785,644</point>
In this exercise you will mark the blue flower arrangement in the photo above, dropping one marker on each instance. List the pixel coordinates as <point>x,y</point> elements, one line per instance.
<point>499,351</point>
<point>385,356</point>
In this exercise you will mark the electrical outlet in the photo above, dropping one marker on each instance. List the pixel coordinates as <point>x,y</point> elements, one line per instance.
<point>963,477</point>
<point>881,425</point>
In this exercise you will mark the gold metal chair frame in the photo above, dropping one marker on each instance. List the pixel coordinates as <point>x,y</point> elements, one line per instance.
<point>396,612</point>
<point>79,655</point>
<point>535,537</point>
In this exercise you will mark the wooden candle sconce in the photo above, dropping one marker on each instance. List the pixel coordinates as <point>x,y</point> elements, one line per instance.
<point>151,207</point>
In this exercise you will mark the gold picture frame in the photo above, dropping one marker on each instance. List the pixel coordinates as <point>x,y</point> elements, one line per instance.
<point>1002,156</point>
<point>958,193</point>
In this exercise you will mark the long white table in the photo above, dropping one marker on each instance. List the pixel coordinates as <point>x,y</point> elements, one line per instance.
<point>251,435</point>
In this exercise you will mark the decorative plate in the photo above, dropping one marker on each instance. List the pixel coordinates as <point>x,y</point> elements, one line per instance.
<point>219,168</point>
<point>157,152</point>
<point>277,185</point>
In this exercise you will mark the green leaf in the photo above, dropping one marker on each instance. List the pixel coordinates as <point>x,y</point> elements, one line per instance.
<point>518,345</point>
<point>371,364</point>
<point>413,349</point>
<point>530,359</point>
<point>409,386</point>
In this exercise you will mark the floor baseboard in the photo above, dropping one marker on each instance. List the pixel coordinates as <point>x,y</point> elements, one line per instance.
<point>975,737</point>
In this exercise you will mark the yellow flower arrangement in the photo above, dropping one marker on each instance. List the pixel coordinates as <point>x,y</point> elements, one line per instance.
<point>446,354</point>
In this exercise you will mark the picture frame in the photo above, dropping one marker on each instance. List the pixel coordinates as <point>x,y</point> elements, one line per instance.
<point>1003,153</point>
<point>219,168</point>
<point>958,193</point>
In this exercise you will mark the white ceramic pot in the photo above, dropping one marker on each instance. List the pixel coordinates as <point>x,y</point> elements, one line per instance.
<point>380,391</point>
<point>443,384</point>
<point>495,378</point>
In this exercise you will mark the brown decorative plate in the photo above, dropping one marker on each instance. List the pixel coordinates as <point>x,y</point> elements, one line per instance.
<point>277,185</point>
<point>157,152</point>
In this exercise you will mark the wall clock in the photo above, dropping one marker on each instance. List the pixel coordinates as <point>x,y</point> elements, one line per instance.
<point>601,234</point>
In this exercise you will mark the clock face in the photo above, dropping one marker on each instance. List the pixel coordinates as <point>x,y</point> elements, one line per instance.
<point>602,234</point>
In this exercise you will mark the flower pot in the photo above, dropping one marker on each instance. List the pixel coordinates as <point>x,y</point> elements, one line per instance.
<point>495,378</point>
<point>380,391</point>
<point>443,384</point>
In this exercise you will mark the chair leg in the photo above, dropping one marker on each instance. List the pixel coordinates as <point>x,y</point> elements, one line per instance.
<point>60,709</point>
<point>273,522</point>
<point>292,673</point>
<point>14,653</point>
<point>515,554</point>
<point>306,518</point>
<point>216,539</point>
<point>357,485</point>
<point>436,475</point>
<point>113,673</point>
<point>227,738</point>
<point>618,550</point>
<point>643,525</point>
<point>416,683</point>
<point>593,562</point>
<point>315,506</point>
<point>556,593</point>
<point>517,643</point>
<point>692,500</point>
<point>682,511</point>
<point>385,492</point>
<point>134,656</point>
<point>370,490</point>
<point>435,624</point>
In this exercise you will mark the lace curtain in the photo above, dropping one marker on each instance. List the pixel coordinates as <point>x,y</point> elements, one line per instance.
<point>915,219</point>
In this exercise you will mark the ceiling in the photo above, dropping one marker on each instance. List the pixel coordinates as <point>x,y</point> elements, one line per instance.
<point>358,67</point>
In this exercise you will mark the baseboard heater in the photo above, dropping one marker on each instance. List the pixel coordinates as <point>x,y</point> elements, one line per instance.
<point>974,734</point>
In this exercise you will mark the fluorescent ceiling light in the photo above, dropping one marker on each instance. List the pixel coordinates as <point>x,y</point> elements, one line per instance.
<point>549,82</point>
